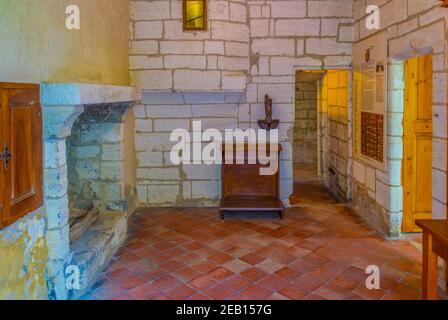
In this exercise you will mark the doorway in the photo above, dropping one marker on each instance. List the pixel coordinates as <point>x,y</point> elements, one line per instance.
<point>306,128</point>
<point>417,142</point>
<point>321,146</point>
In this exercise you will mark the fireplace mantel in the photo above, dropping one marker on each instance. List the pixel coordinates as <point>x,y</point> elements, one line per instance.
<point>75,94</point>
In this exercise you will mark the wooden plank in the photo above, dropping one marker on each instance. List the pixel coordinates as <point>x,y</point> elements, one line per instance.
<point>79,226</point>
<point>243,203</point>
<point>429,268</point>
<point>408,146</point>
<point>439,228</point>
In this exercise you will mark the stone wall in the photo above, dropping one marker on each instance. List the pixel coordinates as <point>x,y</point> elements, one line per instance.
<point>305,127</point>
<point>377,193</point>
<point>253,47</point>
<point>164,57</point>
<point>96,159</point>
<point>337,155</point>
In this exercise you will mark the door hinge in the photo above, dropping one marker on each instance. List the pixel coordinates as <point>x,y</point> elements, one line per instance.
<point>5,156</point>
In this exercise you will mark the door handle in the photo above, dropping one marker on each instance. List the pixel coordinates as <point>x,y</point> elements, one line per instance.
<point>5,156</point>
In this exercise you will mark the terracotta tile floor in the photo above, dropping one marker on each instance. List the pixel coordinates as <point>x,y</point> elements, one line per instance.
<point>318,251</point>
<point>305,172</point>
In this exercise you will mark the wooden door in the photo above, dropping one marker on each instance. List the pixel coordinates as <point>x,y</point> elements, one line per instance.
<point>417,142</point>
<point>21,165</point>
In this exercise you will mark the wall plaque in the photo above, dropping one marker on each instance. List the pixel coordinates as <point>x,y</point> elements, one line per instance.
<point>372,135</point>
<point>370,99</point>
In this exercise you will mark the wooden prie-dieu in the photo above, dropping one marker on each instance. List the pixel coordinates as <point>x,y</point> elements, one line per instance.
<point>244,188</point>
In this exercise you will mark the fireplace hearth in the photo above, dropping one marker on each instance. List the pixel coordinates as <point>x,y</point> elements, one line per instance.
<point>85,190</point>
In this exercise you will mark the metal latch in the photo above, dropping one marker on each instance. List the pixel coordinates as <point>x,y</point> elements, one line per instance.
<point>5,156</point>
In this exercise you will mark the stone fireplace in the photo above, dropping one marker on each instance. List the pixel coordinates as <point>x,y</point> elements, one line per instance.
<point>85,164</point>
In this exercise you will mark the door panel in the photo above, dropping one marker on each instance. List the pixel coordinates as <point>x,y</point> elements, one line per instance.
<point>3,102</point>
<point>423,199</point>
<point>22,125</point>
<point>417,142</point>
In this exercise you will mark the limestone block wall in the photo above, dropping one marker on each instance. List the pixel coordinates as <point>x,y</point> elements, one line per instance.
<point>377,193</point>
<point>305,128</point>
<point>159,181</point>
<point>96,159</point>
<point>292,35</point>
<point>252,47</point>
<point>164,57</point>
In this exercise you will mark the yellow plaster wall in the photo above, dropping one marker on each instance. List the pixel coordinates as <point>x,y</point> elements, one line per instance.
<point>37,47</point>
<point>23,257</point>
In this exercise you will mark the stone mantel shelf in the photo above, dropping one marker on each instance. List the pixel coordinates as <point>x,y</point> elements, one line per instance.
<point>193,97</point>
<point>76,94</point>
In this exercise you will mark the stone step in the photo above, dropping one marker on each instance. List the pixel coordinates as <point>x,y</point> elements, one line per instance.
<point>94,250</point>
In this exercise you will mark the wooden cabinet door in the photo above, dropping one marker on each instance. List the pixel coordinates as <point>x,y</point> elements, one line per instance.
<point>3,103</point>
<point>22,160</point>
<point>417,142</point>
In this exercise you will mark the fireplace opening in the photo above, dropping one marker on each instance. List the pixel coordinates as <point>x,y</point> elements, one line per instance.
<point>97,199</point>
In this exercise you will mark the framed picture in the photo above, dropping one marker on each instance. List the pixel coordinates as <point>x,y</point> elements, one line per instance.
<point>195,15</point>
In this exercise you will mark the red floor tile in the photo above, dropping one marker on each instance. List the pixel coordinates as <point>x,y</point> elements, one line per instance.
<point>272,282</point>
<point>129,282</point>
<point>186,274</point>
<point>200,297</point>
<point>237,282</point>
<point>254,274</point>
<point>257,292</point>
<point>143,292</point>
<point>119,274</point>
<point>135,245</point>
<point>166,282</point>
<point>293,292</point>
<point>317,252</point>
<point>287,273</point>
<point>204,266</point>
<point>171,265</point>
<point>220,274</point>
<point>219,292</point>
<point>182,292</point>
<point>152,274</point>
<point>252,258</point>
<point>220,258</point>
<point>203,282</point>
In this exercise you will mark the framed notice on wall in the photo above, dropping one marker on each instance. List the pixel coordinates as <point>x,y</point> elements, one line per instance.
<point>370,100</point>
